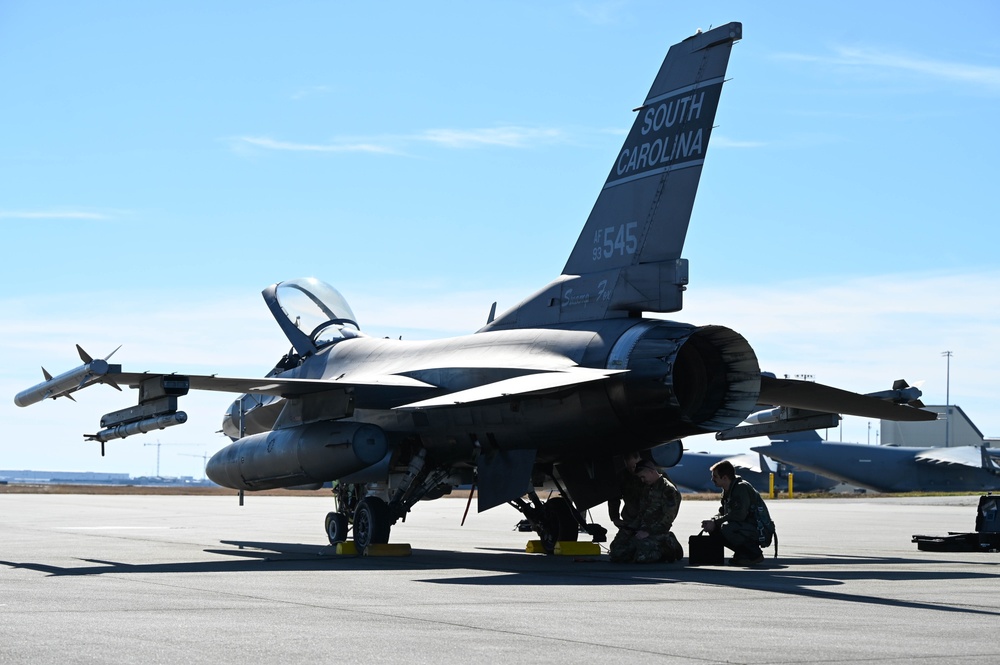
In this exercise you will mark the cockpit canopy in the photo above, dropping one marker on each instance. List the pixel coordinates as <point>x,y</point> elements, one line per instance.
<point>311,313</point>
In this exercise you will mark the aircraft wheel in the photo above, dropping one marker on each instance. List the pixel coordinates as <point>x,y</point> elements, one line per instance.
<point>336,527</point>
<point>560,521</point>
<point>371,522</point>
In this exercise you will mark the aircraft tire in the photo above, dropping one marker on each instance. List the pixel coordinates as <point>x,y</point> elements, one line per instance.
<point>559,519</point>
<point>371,522</point>
<point>336,527</point>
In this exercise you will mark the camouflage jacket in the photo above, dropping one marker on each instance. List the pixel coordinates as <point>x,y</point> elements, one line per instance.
<point>658,507</point>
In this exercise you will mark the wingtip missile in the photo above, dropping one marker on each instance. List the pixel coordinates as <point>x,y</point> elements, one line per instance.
<point>901,393</point>
<point>92,371</point>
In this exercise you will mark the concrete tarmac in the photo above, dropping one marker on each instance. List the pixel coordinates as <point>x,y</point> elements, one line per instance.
<point>170,579</point>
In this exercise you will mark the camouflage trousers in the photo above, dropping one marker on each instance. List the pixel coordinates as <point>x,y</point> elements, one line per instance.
<point>626,548</point>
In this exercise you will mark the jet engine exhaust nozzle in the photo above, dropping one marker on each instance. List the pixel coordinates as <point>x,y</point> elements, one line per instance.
<point>684,379</point>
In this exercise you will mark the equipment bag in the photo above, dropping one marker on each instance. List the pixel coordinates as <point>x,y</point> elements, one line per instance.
<point>704,550</point>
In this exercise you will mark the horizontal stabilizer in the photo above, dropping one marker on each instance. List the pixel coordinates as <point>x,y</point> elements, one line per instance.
<point>971,456</point>
<point>818,397</point>
<point>748,462</point>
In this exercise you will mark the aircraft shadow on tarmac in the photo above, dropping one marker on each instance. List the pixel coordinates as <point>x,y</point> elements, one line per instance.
<point>787,575</point>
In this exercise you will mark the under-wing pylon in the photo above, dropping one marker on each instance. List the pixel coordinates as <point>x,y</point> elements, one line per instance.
<point>551,391</point>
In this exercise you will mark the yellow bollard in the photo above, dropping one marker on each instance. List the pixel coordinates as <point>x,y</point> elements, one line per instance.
<point>791,492</point>
<point>770,491</point>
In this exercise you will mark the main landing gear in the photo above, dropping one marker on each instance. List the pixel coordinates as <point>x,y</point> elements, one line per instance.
<point>372,509</point>
<point>555,520</point>
<point>369,515</point>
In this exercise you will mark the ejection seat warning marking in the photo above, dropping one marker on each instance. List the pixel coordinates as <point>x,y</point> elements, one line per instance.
<point>615,241</point>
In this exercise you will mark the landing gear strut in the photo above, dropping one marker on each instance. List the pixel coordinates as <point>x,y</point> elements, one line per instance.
<point>369,516</point>
<point>371,509</point>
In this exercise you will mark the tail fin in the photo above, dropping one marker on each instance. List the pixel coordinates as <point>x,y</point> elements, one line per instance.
<point>627,260</point>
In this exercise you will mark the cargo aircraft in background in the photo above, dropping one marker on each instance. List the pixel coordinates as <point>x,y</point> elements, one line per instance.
<point>964,463</point>
<point>894,468</point>
<point>550,392</point>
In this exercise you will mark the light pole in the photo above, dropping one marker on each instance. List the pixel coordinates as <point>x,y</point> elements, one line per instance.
<point>947,400</point>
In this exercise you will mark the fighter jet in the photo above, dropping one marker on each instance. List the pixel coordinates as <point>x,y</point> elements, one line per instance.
<point>892,468</point>
<point>550,391</point>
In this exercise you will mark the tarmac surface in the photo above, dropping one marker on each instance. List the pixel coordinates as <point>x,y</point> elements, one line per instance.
<point>199,579</point>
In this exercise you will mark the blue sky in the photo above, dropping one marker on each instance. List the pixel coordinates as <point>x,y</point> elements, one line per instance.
<point>164,162</point>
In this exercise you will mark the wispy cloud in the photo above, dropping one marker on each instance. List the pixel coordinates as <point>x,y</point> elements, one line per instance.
<point>875,59</point>
<point>273,144</point>
<point>52,214</point>
<point>719,141</point>
<point>508,136</point>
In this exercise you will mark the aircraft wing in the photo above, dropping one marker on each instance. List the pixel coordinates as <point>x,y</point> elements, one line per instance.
<point>534,383</point>
<point>818,397</point>
<point>279,386</point>
<point>99,371</point>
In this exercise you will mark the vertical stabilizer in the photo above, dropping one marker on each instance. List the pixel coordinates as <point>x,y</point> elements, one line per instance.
<point>628,257</point>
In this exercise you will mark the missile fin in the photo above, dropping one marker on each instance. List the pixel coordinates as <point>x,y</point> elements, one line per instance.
<point>84,356</point>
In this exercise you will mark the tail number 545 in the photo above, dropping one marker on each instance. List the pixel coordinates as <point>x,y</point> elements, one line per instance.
<point>612,240</point>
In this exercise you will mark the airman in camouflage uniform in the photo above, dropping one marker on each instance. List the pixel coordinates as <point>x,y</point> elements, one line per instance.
<point>625,508</point>
<point>647,538</point>
<point>736,522</point>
